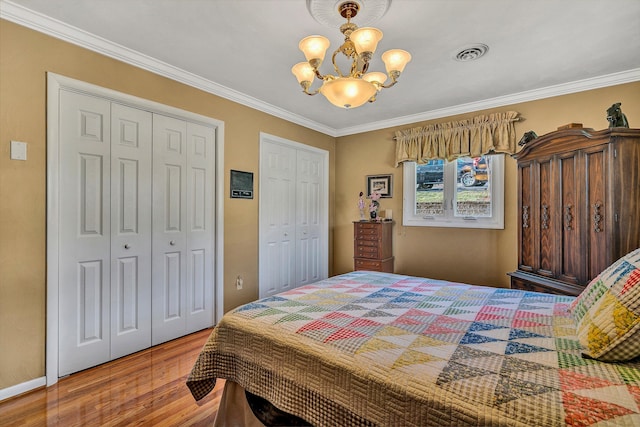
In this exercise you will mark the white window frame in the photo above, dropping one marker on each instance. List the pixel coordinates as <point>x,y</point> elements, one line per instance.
<point>495,221</point>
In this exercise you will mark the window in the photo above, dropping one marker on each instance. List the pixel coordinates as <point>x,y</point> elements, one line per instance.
<point>466,193</point>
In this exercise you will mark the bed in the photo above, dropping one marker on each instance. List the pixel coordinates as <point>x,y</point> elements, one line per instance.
<point>379,349</point>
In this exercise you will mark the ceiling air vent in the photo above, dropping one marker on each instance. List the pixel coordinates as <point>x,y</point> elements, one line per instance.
<point>471,53</point>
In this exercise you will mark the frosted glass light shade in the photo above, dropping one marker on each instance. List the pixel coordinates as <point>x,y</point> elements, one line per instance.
<point>375,76</point>
<point>303,72</point>
<point>347,92</point>
<point>396,60</point>
<point>366,39</point>
<point>314,47</point>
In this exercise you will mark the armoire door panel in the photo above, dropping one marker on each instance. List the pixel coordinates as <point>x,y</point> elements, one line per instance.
<point>597,212</point>
<point>84,234</point>
<point>130,213</point>
<point>545,221</point>
<point>570,204</point>
<point>527,241</point>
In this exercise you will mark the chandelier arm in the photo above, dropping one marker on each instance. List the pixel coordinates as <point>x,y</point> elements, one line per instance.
<point>389,85</point>
<point>365,68</point>
<point>335,66</point>
<point>305,88</point>
<point>320,76</point>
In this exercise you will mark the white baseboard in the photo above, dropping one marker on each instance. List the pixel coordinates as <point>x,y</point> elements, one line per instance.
<point>17,389</point>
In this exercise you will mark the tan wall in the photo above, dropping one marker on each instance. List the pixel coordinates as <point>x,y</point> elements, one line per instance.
<point>25,57</point>
<point>465,255</point>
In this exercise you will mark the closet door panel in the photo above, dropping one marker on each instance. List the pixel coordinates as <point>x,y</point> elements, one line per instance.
<point>309,178</point>
<point>131,142</point>
<point>277,219</point>
<point>84,256</point>
<point>169,225</point>
<point>199,227</point>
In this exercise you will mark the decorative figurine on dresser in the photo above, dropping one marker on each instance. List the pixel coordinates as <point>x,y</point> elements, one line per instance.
<point>578,206</point>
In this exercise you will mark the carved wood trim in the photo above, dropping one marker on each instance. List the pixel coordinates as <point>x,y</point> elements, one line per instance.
<point>544,217</point>
<point>597,217</point>
<point>568,217</point>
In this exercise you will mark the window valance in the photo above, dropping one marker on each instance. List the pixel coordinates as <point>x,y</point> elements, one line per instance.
<point>493,133</point>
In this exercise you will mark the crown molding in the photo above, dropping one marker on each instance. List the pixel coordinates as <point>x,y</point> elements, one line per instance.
<point>622,77</point>
<point>57,29</point>
<point>52,27</point>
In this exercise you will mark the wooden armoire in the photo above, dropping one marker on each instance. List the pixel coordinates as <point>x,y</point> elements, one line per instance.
<point>578,206</point>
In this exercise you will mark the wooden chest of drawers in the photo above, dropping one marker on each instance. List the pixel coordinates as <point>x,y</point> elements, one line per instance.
<point>372,248</point>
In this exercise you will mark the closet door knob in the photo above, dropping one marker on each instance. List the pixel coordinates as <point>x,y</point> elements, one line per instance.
<point>172,243</point>
<point>126,246</point>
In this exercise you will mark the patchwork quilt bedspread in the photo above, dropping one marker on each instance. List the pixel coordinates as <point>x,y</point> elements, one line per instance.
<point>369,348</point>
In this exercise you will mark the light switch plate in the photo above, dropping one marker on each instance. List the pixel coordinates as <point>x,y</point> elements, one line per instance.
<point>18,150</point>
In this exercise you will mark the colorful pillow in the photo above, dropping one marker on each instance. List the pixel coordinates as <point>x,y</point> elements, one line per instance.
<point>607,312</point>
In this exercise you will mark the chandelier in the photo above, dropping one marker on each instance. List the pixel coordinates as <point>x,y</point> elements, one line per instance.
<point>358,86</point>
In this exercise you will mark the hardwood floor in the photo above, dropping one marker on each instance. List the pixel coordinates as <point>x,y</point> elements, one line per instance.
<point>144,389</point>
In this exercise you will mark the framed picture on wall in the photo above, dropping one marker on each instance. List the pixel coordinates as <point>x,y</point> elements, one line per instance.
<point>383,184</point>
<point>241,185</point>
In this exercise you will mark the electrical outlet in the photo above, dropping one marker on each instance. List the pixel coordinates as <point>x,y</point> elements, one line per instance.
<point>239,282</point>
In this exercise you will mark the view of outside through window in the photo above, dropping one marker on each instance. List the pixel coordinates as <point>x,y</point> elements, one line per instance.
<point>471,196</point>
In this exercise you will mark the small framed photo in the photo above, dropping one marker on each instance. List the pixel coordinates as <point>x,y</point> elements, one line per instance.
<point>241,185</point>
<point>383,184</point>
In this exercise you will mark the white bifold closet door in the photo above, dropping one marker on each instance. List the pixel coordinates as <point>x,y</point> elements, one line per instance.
<point>292,242</point>
<point>309,208</point>
<point>277,219</point>
<point>182,228</point>
<point>105,250</point>
<point>136,230</point>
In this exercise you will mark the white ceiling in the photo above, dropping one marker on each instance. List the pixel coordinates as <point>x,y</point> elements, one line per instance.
<point>244,49</point>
